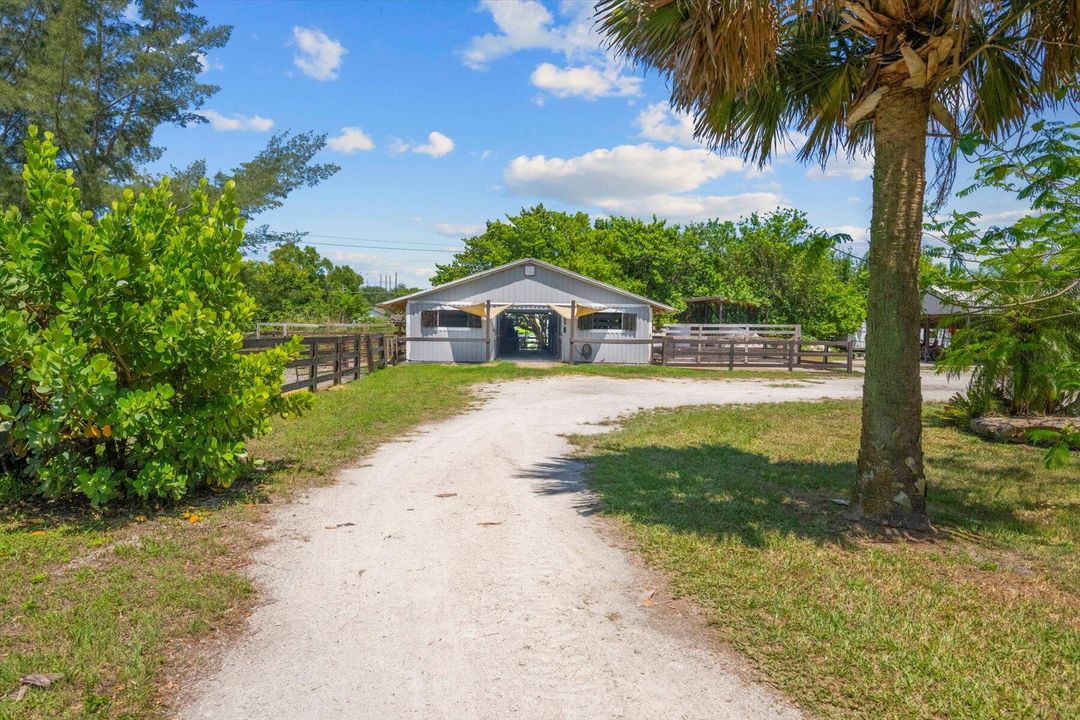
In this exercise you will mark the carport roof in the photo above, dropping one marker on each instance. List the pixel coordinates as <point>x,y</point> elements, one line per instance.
<point>400,303</point>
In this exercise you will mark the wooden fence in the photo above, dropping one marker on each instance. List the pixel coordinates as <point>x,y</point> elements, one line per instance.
<point>734,331</point>
<point>288,329</point>
<point>716,351</point>
<point>334,359</point>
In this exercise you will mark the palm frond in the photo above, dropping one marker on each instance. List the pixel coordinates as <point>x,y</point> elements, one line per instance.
<point>752,71</point>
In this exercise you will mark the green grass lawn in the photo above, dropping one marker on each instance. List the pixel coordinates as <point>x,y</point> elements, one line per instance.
<point>119,600</point>
<point>980,621</point>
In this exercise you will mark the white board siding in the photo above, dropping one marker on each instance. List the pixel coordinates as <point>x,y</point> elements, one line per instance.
<point>637,354</point>
<point>439,350</point>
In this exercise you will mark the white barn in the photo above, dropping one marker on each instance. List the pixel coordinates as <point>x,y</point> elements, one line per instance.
<point>580,320</point>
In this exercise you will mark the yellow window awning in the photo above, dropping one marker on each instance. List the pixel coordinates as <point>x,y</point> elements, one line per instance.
<point>563,311</point>
<point>481,309</point>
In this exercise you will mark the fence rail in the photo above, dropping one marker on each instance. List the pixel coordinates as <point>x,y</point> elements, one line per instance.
<point>334,359</point>
<point>733,330</point>
<point>718,351</point>
<point>288,329</point>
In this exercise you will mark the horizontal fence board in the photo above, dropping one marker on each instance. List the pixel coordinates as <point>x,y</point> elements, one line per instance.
<point>715,350</point>
<point>333,358</point>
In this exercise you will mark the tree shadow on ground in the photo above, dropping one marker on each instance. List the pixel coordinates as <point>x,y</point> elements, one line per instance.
<point>731,495</point>
<point>718,492</point>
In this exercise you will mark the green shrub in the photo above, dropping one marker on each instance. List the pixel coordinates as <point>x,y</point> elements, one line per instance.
<point>120,370</point>
<point>1018,367</point>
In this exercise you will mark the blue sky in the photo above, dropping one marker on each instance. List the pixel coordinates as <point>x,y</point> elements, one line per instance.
<point>445,114</point>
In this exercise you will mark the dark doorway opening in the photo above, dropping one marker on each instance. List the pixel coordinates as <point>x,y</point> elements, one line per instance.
<point>529,334</point>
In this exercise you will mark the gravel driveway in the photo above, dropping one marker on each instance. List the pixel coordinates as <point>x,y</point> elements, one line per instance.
<point>475,584</point>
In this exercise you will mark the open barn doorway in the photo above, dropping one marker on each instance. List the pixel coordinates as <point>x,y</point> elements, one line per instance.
<point>529,334</point>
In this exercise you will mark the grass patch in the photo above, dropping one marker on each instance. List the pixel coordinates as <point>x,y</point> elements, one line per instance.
<point>119,600</point>
<point>735,503</point>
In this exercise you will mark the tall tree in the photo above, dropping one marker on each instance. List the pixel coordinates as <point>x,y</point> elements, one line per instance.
<point>860,76</point>
<point>777,260</point>
<point>103,75</point>
<point>297,284</point>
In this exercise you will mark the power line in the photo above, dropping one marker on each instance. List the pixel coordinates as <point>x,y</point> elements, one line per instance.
<point>379,247</point>
<point>376,240</point>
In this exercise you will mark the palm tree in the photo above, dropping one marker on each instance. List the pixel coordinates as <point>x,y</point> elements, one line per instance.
<point>856,76</point>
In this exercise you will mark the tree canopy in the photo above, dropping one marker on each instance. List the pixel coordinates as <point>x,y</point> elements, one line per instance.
<point>103,79</point>
<point>297,284</point>
<point>776,260</point>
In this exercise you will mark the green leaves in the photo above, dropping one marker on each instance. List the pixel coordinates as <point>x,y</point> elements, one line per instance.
<point>777,260</point>
<point>1020,283</point>
<point>1059,443</point>
<point>120,370</point>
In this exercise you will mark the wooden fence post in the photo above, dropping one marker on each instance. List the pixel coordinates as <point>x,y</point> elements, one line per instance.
<point>382,351</point>
<point>731,355</point>
<point>370,354</point>
<point>313,368</point>
<point>850,356</point>
<point>356,360</point>
<point>337,361</point>
<point>792,350</point>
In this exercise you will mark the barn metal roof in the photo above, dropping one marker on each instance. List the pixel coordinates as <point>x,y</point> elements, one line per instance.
<point>400,303</point>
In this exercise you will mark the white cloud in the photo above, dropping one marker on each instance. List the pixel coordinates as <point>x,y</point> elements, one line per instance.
<point>689,208</point>
<point>626,170</point>
<point>858,233</point>
<point>206,64</point>
<point>587,81</point>
<point>659,122</point>
<point>451,230</point>
<point>637,180</point>
<point>1004,216</point>
<point>437,145</point>
<point>528,25</point>
<point>350,140</point>
<point>222,123</point>
<point>859,167</point>
<point>319,56</point>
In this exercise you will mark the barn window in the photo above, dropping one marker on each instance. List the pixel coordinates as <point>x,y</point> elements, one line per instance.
<point>608,321</point>
<point>458,319</point>
<point>429,318</point>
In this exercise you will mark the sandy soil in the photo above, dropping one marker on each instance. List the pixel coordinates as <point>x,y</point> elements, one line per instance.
<point>459,573</point>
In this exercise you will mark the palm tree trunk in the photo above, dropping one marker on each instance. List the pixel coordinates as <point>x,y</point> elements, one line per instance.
<point>890,488</point>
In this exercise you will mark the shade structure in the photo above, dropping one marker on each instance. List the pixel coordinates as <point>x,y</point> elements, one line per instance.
<point>563,311</point>
<point>481,309</point>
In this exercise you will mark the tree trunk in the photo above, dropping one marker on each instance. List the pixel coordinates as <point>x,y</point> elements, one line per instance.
<point>890,488</point>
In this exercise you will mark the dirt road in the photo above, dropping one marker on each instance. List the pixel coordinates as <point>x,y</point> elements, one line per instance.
<point>473,582</point>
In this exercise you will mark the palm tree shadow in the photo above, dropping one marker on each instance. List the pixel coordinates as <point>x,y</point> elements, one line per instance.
<point>733,496</point>
<point>718,492</point>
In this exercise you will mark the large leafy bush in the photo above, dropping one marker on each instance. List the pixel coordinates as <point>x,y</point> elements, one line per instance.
<point>120,370</point>
<point>1019,283</point>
